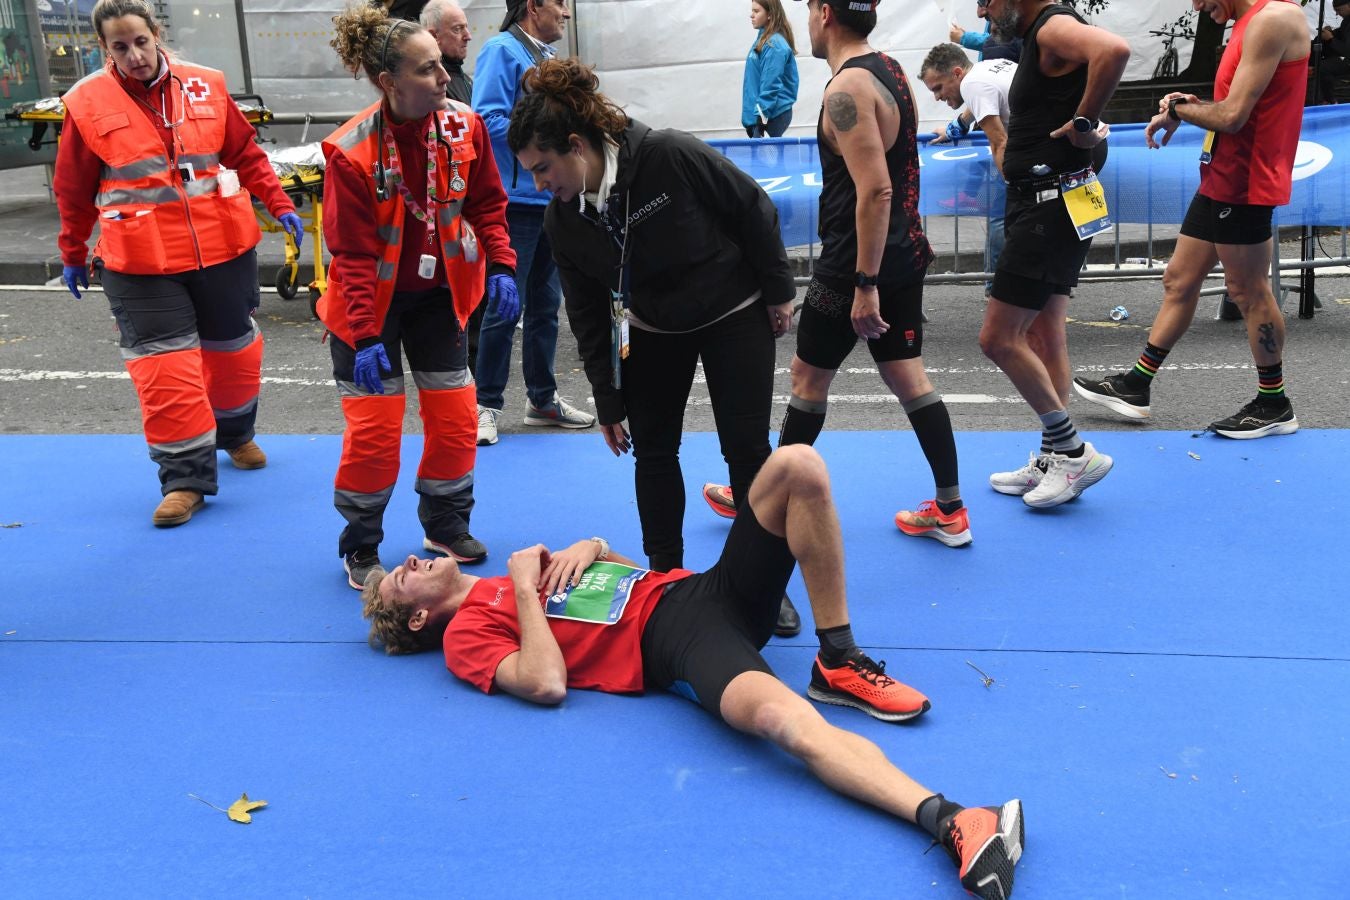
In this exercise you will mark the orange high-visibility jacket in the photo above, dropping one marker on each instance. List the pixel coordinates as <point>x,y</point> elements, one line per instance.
<point>155,218</point>
<point>360,141</point>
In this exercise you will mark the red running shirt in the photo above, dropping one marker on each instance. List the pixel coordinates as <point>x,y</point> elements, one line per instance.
<point>1255,166</point>
<point>608,658</point>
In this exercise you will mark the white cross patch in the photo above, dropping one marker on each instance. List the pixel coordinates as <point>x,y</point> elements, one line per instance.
<point>197,90</point>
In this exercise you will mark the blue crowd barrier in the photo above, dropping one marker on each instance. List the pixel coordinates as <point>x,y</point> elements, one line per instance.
<point>1142,185</point>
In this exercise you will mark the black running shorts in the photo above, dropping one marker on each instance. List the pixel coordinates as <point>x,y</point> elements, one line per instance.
<point>1042,255</point>
<point>1218,222</point>
<point>709,628</point>
<point>825,335</point>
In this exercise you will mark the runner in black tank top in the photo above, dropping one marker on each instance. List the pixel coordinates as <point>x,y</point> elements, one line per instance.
<point>907,253</point>
<point>1067,73</point>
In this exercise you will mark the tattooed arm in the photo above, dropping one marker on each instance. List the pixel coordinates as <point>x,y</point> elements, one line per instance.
<point>859,110</point>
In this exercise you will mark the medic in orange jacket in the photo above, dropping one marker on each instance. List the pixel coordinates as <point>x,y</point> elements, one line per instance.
<point>376,245</point>
<point>144,160</point>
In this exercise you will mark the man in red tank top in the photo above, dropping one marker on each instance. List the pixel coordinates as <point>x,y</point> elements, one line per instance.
<point>1246,170</point>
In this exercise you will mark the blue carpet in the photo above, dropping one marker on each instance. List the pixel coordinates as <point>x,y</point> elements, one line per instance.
<point>1178,620</point>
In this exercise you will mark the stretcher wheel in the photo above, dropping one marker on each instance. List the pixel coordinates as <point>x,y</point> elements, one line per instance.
<point>314,303</point>
<point>288,282</point>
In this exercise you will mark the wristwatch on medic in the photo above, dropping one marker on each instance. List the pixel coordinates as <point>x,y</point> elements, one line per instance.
<point>862,279</point>
<point>1082,124</point>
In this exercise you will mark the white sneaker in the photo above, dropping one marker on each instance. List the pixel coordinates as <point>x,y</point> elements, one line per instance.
<point>559,414</point>
<point>1066,477</point>
<point>1022,480</point>
<point>487,425</point>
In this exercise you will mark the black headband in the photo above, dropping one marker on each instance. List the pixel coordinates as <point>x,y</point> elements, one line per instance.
<point>384,50</point>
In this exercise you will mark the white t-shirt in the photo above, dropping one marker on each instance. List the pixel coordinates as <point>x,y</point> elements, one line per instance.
<point>985,89</point>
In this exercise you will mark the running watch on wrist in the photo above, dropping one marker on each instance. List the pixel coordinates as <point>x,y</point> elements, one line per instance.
<point>862,279</point>
<point>604,549</point>
<point>1172,108</point>
<point>1082,124</point>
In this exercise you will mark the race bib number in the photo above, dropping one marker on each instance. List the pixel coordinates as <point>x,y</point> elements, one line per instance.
<point>1086,203</point>
<point>599,597</point>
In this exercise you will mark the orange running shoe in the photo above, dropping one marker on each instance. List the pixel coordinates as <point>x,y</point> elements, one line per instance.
<point>929,521</point>
<point>985,843</point>
<point>718,496</point>
<point>863,684</point>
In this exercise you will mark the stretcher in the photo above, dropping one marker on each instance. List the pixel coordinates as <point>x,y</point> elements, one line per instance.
<point>50,112</point>
<point>300,171</point>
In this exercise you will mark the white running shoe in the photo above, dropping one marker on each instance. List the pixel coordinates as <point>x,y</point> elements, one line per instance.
<point>1023,480</point>
<point>1066,477</point>
<point>558,413</point>
<point>487,425</point>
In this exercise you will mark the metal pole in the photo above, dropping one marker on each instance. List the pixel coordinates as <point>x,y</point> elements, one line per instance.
<point>243,45</point>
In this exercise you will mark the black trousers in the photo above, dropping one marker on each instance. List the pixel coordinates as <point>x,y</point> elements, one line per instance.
<point>738,360</point>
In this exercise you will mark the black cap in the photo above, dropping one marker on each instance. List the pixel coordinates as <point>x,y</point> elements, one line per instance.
<point>864,5</point>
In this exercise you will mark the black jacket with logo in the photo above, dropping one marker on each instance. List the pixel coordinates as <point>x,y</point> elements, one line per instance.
<point>702,237</point>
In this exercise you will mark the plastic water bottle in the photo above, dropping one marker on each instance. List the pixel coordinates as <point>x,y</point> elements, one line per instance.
<point>1119,314</point>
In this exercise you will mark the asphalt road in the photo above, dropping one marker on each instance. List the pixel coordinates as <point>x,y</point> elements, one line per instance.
<point>60,371</point>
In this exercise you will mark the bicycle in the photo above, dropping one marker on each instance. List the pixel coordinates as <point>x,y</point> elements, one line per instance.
<point>1167,67</point>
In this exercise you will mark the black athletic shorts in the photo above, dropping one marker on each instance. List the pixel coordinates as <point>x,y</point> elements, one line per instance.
<point>710,627</point>
<point>1042,255</point>
<point>825,335</point>
<point>1218,222</point>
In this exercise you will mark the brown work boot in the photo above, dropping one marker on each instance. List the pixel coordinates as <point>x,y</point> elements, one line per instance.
<point>248,456</point>
<point>177,507</point>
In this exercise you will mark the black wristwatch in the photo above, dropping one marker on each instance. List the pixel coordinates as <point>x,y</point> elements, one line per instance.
<point>1082,124</point>
<point>862,279</point>
<point>1172,108</point>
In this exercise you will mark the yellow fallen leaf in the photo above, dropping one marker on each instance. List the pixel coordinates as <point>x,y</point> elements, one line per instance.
<point>239,810</point>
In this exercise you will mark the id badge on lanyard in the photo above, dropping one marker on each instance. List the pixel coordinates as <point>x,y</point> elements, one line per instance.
<point>1086,202</point>
<point>618,334</point>
<point>1207,148</point>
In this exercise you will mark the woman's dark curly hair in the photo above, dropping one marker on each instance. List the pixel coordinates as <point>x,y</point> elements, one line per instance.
<point>560,99</point>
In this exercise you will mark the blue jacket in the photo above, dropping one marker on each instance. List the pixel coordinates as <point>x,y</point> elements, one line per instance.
<point>496,85</point>
<point>770,80</point>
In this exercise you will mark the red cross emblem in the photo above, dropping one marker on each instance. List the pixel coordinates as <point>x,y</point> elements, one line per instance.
<point>455,125</point>
<point>197,90</point>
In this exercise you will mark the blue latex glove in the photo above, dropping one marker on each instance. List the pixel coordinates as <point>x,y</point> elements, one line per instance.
<point>503,298</point>
<point>75,275</point>
<point>294,227</point>
<point>957,129</point>
<point>370,362</point>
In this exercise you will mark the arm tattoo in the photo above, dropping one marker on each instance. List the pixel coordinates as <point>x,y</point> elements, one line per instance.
<point>1267,339</point>
<point>886,96</point>
<point>843,111</point>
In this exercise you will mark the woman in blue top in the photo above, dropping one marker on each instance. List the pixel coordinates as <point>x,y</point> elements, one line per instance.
<point>770,86</point>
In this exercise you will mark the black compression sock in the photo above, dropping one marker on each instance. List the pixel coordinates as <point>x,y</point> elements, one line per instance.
<point>836,644</point>
<point>932,811</point>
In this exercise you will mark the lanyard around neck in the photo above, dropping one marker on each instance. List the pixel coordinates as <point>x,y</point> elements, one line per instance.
<point>423,215</point>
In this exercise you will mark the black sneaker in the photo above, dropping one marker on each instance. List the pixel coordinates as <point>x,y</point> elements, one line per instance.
<point>464,548</point>
<point>1116,394</point>
<point>1260,418</point>
<point>359,564</point>
<point>985,843</point>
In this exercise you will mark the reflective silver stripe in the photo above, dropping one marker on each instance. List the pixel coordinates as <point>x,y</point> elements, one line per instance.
<point>442,381</point>
<point>201,187</point>
<point>392,386</point>
<point>445,217</point>
<point>205,439</point>
<point>248,407</point>
<point>431,487</point>
<point>157,348</point>
<point>385,271</point>
<point>363,130</point>
<point>145,195</point>
<point>201,160</point>
<point>236,344</point>
<point>451,248</point>
<point>389,234</point>
<point>453,208</point>
<point>144,168</point>
<point>352,499</point>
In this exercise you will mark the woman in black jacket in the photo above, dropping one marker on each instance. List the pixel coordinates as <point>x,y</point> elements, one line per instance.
<point>668,254</point>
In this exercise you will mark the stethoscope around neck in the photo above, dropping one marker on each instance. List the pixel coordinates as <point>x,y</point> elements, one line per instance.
<point>382,191</point>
